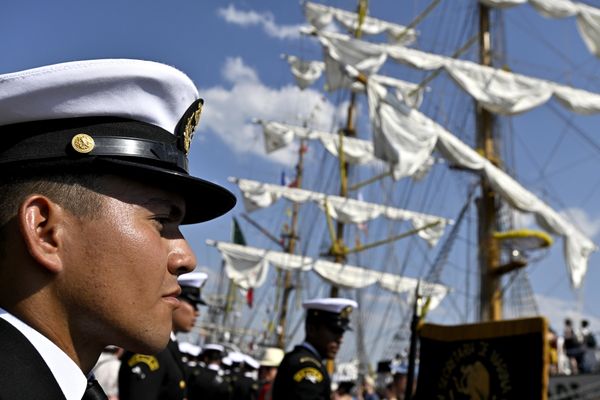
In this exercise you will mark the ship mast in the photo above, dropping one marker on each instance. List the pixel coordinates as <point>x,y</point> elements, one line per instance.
<point>290,248</point>
<point>339,249</point>
<point>490,300</point>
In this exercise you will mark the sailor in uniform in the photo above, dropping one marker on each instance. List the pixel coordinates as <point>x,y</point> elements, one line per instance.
<point>302,374</point>
<point>164,376</point>
<point>208,380</point>
<point>94,187</point>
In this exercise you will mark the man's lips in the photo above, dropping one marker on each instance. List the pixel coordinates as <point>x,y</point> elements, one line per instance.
<point>172,296</point>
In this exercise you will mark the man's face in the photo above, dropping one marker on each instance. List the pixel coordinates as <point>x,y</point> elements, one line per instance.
<point>184,317</point>
<point>121,267</point>
<point>267,374</point>
<point>326,339</point>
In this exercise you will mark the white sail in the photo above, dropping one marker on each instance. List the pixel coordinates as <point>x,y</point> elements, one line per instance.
<point>307,72</point>
<point>320,16</point>
<point>356,151</point>
<point>578,247</point>
<point>349,211</point>
<point>247,266</point>
<point>497,90</point>
<point>588,18</point>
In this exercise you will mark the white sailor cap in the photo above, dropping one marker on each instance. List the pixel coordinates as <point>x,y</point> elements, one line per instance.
<point>189,348</point>
<point>213,347</point>
<point>125,117</point>
<point>332,311</point>
<point>236,357</point>
<point>251,362</point>
<point>191,285</point>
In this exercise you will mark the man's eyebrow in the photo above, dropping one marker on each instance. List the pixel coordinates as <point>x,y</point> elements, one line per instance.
<point>175,211</point>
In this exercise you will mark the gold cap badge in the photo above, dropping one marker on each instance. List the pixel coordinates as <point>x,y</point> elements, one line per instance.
<point>190,125</point>
<point>345,313</point>
<point>82,143</point>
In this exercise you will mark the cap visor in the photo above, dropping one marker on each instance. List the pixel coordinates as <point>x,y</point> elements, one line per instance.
<point>204,200</point>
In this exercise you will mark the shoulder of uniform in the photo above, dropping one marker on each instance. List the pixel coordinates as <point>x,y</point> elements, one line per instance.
<point>304,356</point>
<point>150,361</point>
<point>310,374</point>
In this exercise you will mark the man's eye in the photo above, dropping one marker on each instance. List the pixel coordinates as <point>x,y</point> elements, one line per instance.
<point>161,220</point>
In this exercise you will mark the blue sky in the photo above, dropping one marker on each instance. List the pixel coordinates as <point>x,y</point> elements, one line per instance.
<point>231,51</point>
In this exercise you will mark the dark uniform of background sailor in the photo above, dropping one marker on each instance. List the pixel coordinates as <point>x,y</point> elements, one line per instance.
<point>302,374</point>
<point>207,381</point>
<point>164,376</point>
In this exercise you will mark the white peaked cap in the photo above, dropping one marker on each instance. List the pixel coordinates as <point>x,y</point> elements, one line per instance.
<point>132,118</point>
<point>189,348</point>
<point>141,90</point>
<point>214,347</point>
<point>193,279</point>
<point>236,356</point>
<point>251,362</point>
<point>329,304</point>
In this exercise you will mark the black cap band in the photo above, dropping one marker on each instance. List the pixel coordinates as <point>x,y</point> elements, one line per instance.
<point>106,138</point>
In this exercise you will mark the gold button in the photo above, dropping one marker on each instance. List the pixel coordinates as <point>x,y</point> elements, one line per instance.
<point>82,143</point>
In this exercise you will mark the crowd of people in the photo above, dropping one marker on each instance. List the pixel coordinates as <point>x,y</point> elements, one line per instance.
<point>575,351</point>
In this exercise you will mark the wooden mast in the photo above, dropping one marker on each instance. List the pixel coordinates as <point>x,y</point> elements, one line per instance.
<point>290,248</point>
<point>338,248</point>
<point>489,251</point>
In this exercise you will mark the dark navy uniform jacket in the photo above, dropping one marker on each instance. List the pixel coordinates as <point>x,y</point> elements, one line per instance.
<point>158,377</point>
<point>23,372</point>
<point>302,376</point>
<point>208,384</point>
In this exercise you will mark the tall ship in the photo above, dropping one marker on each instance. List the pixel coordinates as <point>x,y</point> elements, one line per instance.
<point>400,183</point>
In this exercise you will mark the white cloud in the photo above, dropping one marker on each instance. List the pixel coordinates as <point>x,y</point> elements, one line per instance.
<point>253,18</point>
<point>236,71</point>
<point>229,111</point>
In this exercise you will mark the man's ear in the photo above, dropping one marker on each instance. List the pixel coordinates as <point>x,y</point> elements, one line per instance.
<point>41,222</point>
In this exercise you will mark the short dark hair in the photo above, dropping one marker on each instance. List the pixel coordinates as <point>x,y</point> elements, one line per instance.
<point>75,192</point>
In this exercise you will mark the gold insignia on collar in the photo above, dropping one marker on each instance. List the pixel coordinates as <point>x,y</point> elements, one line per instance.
<point>345,313</point>
<point>190,125</point>
<point>83,143</point>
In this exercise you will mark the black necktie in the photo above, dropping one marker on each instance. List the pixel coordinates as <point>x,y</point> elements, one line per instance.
<point>94,391</point>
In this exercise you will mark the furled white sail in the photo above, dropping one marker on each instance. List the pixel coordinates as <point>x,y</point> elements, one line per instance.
<point>588,18</point>
<point>356,151</point>
<point>260,195</point>
<point>578,247</point>
<point>307,72</point>
<point>499,91</point>
<point>320,16</point>
<point>248,266</point>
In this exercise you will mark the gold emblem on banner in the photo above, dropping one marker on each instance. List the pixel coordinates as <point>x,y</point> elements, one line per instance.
<point>83,143</point>
<point>190,125</point>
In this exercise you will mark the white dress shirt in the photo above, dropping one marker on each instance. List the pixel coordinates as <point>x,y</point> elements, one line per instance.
<point>69,376</point>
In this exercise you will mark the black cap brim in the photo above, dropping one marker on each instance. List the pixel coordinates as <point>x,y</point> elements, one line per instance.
<point>204,200</point>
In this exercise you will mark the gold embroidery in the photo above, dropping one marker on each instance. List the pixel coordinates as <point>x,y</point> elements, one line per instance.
<point>190,125</point>
<point>310,374</point>
<point>309,359</point>
<point>150,361</point>
<point>345,313</point>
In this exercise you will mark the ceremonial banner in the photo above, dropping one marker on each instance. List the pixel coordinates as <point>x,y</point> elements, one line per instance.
<point>503,360</point>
